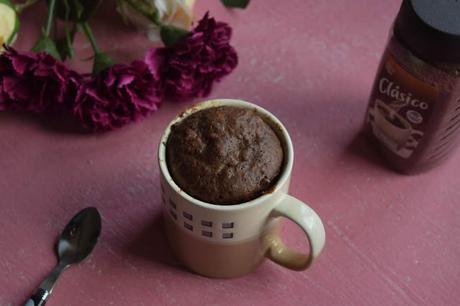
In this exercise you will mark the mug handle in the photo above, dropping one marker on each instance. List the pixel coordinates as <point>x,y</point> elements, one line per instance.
<point>305,217</point>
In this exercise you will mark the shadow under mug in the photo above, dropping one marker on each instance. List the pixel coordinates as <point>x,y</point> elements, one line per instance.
<point>233,240</point>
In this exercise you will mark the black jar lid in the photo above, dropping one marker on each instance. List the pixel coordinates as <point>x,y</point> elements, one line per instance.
<point>430,29</point>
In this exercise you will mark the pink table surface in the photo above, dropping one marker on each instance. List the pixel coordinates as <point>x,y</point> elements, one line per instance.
<point>391,239</point>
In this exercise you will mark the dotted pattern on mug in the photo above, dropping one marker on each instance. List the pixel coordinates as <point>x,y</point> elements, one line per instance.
<point>207,225</point>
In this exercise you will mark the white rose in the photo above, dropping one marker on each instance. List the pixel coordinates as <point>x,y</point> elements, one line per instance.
<point>171,12</point>
<point>8,23</point>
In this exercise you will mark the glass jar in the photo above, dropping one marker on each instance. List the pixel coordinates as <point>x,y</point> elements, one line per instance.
<point>413,115</point>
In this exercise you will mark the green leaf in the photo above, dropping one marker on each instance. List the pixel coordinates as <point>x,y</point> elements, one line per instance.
<point>171,34</point>
<point>46,44</point>
<point>101,62</point>
<point>236,3</point>
<point>7,3</point>
<point>143,7</point>
<point>155,17</point>
<point>14,34</point>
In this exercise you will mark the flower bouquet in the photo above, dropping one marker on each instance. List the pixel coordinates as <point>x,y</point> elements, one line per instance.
<point>113,95</point>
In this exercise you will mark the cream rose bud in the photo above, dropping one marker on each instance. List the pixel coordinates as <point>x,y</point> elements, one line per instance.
<point>171,12</point>
<point>8,23</point>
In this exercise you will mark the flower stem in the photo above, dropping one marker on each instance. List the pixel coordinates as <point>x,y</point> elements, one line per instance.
<point>89,34</point>
<point>20,7</point>
<point>101,60</point>
<point>49,20</point>
<point>153,17</point>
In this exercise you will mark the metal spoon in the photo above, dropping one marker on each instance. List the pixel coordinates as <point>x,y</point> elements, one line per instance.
<point>77,240</point>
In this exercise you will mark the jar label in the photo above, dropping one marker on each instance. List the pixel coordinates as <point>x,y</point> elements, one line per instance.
<point>400,107</point>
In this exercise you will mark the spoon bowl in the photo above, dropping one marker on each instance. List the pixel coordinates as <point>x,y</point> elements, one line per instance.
<point>79,237</point>
<point>75,243</point>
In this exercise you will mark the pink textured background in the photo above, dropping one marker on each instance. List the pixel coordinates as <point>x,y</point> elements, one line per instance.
<point>391,239</point>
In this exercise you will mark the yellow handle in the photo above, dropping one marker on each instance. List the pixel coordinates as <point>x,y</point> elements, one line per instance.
<point>309,222</point>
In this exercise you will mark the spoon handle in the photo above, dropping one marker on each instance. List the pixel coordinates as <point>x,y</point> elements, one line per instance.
<point>38,298</point>
<point>44,290</point>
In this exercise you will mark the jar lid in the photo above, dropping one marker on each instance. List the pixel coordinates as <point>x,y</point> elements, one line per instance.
<point>430,29</point>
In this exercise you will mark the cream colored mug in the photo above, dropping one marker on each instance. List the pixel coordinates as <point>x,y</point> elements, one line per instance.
<point>230,241</point>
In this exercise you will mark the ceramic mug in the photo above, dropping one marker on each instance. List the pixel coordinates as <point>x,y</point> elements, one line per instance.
<point>233,240</point>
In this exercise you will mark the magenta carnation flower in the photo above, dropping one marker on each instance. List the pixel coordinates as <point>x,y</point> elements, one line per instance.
<point>35,82</point>
<point>191,66</point>
<point>119,95</point>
